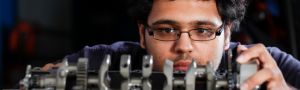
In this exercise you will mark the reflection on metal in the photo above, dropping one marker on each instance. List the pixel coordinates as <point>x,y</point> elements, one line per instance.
<point>194,78</point>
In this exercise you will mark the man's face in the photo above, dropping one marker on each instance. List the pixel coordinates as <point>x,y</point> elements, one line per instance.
<point>184,15</point>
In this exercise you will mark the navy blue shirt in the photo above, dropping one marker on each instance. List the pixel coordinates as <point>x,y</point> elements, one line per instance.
<point>289,66</point>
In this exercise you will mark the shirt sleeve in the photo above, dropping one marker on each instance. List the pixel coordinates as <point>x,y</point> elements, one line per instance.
<point>289,66</point>
<point>94,54</point>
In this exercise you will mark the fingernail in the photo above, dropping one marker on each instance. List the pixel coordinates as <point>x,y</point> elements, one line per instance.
<point>242,47</point>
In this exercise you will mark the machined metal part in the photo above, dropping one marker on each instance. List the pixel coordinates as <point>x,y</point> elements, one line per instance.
<point>81,75</point>
<point>190,76</point>
<point>80,78</point>
<point>210,79</point>
<point>25,82</point>
<point>136,82</point>
<point>168,72</point>
<point>231,68</point>
<point>61,76</point>
<point>125,65</point>
<point>103,75</point>
<point>247,70</point>
<point>147,70</point>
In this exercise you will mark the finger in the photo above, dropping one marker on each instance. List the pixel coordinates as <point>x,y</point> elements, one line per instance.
<point>257,79</point>
<point>241,48</point>
<point>47,66</point>
<point>250,53</point>
<point>257,51</point>
<point>58,65</point>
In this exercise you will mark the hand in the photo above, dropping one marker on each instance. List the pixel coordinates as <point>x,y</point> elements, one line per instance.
<point>49,66</point>
<point>268,72</point>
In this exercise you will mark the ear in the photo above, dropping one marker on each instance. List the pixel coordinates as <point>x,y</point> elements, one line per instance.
<point>227,36</point>
<point>142,35</point>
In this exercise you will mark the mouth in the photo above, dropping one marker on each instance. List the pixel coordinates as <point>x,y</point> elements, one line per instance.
<point>182,65</point>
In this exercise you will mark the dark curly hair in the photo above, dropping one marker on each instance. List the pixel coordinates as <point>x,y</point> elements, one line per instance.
<point>232,11</point>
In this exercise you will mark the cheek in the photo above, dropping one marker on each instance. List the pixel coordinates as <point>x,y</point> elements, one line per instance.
<point>210,52</point>
<point>159,50</point>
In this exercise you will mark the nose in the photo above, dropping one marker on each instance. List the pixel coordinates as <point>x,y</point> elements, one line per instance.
<point>184,44</point>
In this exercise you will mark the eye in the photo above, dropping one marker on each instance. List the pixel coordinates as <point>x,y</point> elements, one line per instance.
<point>166,30</point>
<point>203,30</point>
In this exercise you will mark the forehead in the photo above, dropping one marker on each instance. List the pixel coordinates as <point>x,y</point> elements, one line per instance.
<point>185,11</point>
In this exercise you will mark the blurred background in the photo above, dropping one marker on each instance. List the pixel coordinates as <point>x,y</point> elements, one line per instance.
<point>37,32</point>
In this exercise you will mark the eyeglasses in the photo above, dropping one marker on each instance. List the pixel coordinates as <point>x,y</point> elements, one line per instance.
<point>172,34</point>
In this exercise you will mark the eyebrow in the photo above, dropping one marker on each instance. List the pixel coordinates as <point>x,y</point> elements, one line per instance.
<point>166,21</point>
<point>197,23</point>
<point>194,23</point>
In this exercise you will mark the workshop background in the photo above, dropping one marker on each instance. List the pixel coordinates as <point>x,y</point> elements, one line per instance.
<point>37,32</point>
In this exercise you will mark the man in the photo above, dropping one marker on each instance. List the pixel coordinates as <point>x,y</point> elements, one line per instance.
<point>182,30</point>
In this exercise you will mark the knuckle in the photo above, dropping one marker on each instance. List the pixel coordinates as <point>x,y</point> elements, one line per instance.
<point>252,82</point>
<point>276,73</point>
<point>261,46</point>
<point>270,72</point>
<point>273,72</point>
<point>48,65</point>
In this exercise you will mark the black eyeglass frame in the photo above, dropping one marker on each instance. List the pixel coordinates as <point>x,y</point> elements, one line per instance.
<point>218,32</point>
